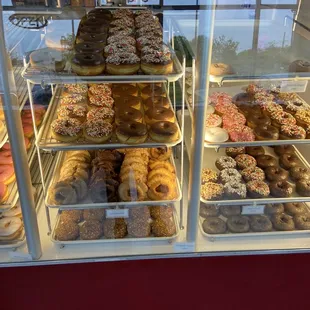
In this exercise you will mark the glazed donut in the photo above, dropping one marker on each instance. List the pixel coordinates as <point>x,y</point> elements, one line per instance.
<point>164,132</point>
<point>244,161</point>
<point>274,173</point>
<point>288,161</point>
<point>4,193</point>
<point>216,135</point>
<point>260,223</point>
<point>257,189</point>
<point>258,121</point>
<point>10,228</point>
<point>214,225</point>
<point>266,133</point>
<point>122,64</point>
<point>97,130</point>
<point>302,221</point>
<point>28,131</point>
<point>66,129</point>
<point>6,158</point>
<point>297,173</point>
<point>128,102</point>
<point>132,192</point>
<point>151,91</point>
<point>156,102</point>
<point>131,133</point>
<point>295,208</point>
<point>72,111</point>
<point>212,191</point>
<point>208,210</point>
<point>241,133</point>
<point>226,175</point>
<point>15,211</point>
<point>265,161</point>
<point>277,208</point>
<point>160,172</point>
<point>234,151</point>
<point>88,48</point>
<point>122,90</point>
<point>161,188</point>
<point>160,153</point>
<point>105,114</point>
<point>88,64</point>
<point>154,115</point>
<point>283,222</point>
<point>289,132</point>
<point>253,173</point>
<point>234,190</point>
<point>228,211</point>
<point>221,69</point>
<point>225,162</point>
<point>280,189</point>
<point>255,150</point>
<point>284,149</point>
<point>126,115</point>
<point>302,187</point>
<point>238,224</point>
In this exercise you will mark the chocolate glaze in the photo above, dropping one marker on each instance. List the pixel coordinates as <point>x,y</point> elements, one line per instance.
<point>88,59</point>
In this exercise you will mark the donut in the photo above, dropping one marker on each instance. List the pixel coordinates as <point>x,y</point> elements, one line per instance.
<point>212,191</point>
<point>257,120</point>
<point>228,211</point>
<point>156,102</point>
<point>209,175</point>
<point>276,208</point>
<point>238,224</point>
<point>225,162</point>
<point>208,210</point>
<point>244,161</point>
<point>282,222</point>
<point>131,133</point>
<point>253,173</point>
<point>234,151</point>
<point>284,149</point>
<point>232,120</point>
<point>274,173</point>
<point>122,90</point>
<point>121,38</point>
<point>260,223</point>
<point>67,230</point>
<point>289,132</point>
<point>88,64</point>
<point>287,161</point>
<point>28,131</point>
<point>257,189</point>
<point>248,110</point>
<point>214,226</point>
<point>161,212</point>
<point>97,130</point>
<point>128,115</point>
<point>224,106</point>
<point>93,214</point>
<point>160,153</point>
<point>99,38</point>
<point>7,175</point>
<point>10,228</point>
<point>66,129</point>
<point>127,31</point>
<point>253,88</point>
<point>156,64</point>
<point>302,187</point>
<point>271,107</point>
<point>281,118</point>
<point>280,189</point>
<point>213,120</point>
<point>6,158</point>
<point>122,64</point>
<point>265,161</point>
<point>221,69</point>
<point>295,208</point>
<point>161,188</point>
<point>47,59</point>
<point>152,90</point>
<point>154,115</point>
<point>302,221</point>
<point>302,118</point>
<point>76,99</point>
<point>128,102</point>
<point>241,133</point>
<point>216,135</point>
<point>123,22</point>
<point>72,215</point>
<point>72,111</point>
<point>216,96</point>
<point>105,114</point>
<point>4,193</point>
<point>88,48</point>
<point>242,99</point>
<point>229,175</point>
<point>255,151</point>
<point>299,66</point>
<point>266,133</point>
<point>132,192</point>
<point>164,132</point>
<point>235,190</point>
<point>263,97</point>
<point>96,101</point>
<point>91,230</point>
<point>292,106</point>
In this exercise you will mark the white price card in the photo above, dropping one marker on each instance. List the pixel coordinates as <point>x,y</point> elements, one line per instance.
<point>184,247</point>
<point>117,213</point>
<point>132,2</point>
<point>19,255</point>
<point>293,86</point>
<point>250,210</point>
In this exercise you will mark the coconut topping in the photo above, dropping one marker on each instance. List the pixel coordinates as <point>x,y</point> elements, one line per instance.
<point>124,22</point>
<point>71,111</point>
<point>123,58</point>
<point>98,128</point>
<point>121,38</point>
<point>155,58</point>
<point>100,113</point>
<point>67,127</point>
<point>119,47</point>
<point>149,40</point>
<point>101,101</point>
<point>121,30</point>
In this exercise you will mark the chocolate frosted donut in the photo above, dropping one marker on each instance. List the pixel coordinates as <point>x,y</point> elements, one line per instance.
<point>88,48</point>
<point>288,161</point>
<point>295,208</point>
<point>255,150</point>
<point>131,130</point>
<point>297,173</point>
<point>260,223</point>
<point>280,189</point>
<point>258,121</point>
<point>88,64</point>
<point>302,221</point>
<point>128,115</point>
<point>276,174</point>
<point>163,131</point>
<point>265,161</point>
<point>303,187</point>
<point>266,133</point>
<point>99,38</point>
<point>122,90</point>
<point>93,29</point>
<point>276,208</point>
<point>127,102</point>
<point>208,210</point>
<point>283,222</point>
<point>228,211</point>
<point>159,114</point>
<point>284,149</point>
<point>214,225</point>
<point>157,102</point>
<point>238,224</point>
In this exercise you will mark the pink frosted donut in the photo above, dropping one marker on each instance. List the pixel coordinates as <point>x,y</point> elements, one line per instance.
<point>223,107</point>
<point>6,172</point>
<point>241,133</point>
<point>214,97</point>
<point>6,158</point>
<point>232,120</point>
<point>213,120</point>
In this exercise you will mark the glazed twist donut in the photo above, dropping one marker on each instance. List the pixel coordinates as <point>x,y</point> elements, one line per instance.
<point>132,191</point>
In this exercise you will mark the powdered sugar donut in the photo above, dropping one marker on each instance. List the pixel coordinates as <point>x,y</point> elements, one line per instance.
<point>213,120</point>
<point>231,120</point>
<point>216,135</point>
<point>241,133</point>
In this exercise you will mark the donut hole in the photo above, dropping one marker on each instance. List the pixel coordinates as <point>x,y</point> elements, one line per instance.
<point>162,189</point>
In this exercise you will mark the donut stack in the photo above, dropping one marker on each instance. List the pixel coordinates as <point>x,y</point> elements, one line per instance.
<point>72,185</point>
<point>103,185</point>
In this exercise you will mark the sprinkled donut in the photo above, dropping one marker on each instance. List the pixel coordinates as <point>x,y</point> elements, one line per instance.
<point>230,175</point>
<point>252,174</point>
<point>212,191</point>
<point>241,133</point>
<point>209,175</point>
<point>225,162</point>
<point>231,120</point>
<point>234,190</point>
<point>213,120</point>
<point>234,151</point>
<point>245,161</point>
<point>258,189</point>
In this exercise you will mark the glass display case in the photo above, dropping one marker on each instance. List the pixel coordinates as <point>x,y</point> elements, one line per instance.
<point>141,132</point>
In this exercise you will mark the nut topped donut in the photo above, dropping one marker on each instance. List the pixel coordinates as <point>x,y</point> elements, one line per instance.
<point>225,162</point>
<point>122,63</point>
<point>119,47</point>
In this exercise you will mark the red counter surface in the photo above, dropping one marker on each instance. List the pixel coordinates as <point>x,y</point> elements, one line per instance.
<point>215,283</point>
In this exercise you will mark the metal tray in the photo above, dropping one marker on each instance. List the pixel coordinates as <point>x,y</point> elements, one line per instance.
<point>47,142</point>
<point>88,204</point>
<point>277,233</point>
<point>211,155</point>
<point>123,240</point>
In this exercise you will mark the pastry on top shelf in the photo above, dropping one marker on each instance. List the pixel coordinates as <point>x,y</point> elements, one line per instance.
<point>219,68</point>
<point>47,58</point>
